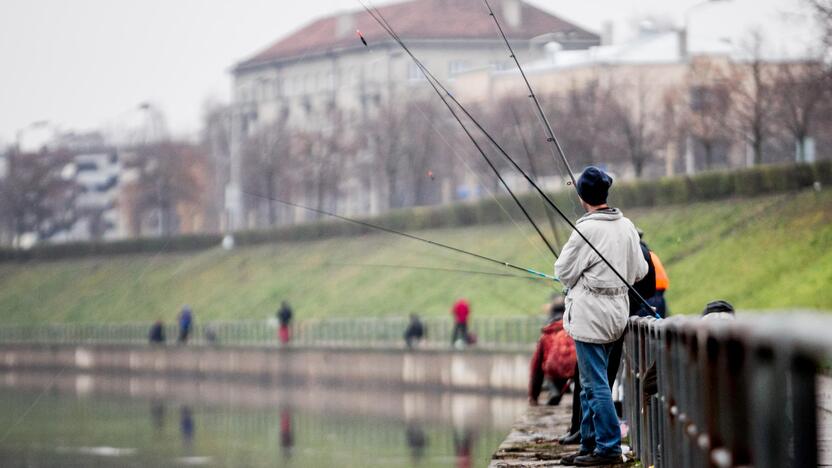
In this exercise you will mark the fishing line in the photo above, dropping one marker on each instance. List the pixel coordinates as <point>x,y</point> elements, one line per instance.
<point>421,267</point>
<point>404,234</point>
<point>551,134</point>
<point>478,176</point>
<point>431,80</point>
<point>436,84</point>
<point>518,128</point>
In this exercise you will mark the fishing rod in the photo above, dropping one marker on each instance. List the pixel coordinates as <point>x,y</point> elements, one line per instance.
<point>533,169</point>
<point>551,138</point>
<point>468,134</point>
<point>409,236</point>
<point>426,268</point>
<point>431,79</point>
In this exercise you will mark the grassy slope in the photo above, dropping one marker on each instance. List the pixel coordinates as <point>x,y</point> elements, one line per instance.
<point>771,252</point>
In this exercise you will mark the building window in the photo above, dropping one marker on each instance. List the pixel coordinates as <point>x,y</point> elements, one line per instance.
<point>501,65</point>
<point>277,87</point>
<point>708,99</point>
<point>414,73</point>
<point>455,67</point>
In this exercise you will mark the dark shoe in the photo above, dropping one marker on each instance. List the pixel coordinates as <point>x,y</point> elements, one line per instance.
<point>597,460</point>
<point>570,439</point>
<point>569,460</point>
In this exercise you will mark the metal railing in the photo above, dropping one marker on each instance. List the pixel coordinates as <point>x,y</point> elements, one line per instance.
<point>731,393</point>
<point>491,332</point>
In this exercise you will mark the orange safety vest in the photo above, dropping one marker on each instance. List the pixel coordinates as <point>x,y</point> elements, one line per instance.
<point>662,281</point>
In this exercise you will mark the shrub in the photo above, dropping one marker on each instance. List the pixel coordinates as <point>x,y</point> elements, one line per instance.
<point>666,191</point>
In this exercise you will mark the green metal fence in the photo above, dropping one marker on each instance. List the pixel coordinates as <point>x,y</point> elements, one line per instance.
<point>490,332</point>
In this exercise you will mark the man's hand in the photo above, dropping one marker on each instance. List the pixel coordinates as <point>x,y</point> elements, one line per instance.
<point>532,401</point>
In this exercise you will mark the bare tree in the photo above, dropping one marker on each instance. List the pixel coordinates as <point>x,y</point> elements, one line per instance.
<point>801,90</point>
<point>267,162</point>
<point>709,105</point>
<point>752,96</point>
<point>629,105</point>
<point>322,159</point>
<point>385,135</point>
<point>166,179</point>
<point>823,14</point>
<point>426,156</point>
<point>35,197</point>
<point>584,122</point>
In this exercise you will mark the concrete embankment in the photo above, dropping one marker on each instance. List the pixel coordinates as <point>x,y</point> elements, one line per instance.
<point>464,371</point>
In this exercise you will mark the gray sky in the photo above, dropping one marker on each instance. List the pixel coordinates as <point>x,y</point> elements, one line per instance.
<point>83,64</point>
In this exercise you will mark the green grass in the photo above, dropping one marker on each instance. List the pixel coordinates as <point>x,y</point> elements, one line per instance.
<point>770,252</point>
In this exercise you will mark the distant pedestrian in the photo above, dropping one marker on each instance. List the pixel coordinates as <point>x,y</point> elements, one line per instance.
<point>415,332</point>
<point>554,360</point>
<point>157,333</point>
<point>185,324</point>
<point>461,311</point>
<point>284,318</point>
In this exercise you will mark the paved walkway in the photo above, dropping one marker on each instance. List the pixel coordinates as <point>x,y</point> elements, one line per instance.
<point>533,439</point>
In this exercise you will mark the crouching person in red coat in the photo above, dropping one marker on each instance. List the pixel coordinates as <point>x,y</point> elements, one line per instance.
<point>553,363</point>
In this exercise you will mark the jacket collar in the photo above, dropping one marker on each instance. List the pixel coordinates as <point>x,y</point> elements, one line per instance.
<point>606,214</point>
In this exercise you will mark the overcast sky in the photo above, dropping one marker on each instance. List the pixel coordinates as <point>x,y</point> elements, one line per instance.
<point>83,64</point>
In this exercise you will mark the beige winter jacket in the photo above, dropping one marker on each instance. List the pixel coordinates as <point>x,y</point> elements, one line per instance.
<point>597,306</point>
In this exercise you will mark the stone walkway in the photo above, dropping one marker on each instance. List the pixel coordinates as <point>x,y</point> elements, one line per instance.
<point>533,439</point>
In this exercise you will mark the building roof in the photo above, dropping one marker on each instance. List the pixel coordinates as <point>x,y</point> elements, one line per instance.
<point>420,20</point>
<point>652,48</point>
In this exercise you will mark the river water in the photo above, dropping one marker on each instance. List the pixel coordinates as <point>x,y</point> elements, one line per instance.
<point>51,420</point>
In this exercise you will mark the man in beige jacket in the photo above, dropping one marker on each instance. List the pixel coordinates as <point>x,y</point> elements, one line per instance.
<point>597,308</point>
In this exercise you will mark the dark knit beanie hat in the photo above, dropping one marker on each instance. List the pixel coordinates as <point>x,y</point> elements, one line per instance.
<point>594,186</point>
<point>718,307</point>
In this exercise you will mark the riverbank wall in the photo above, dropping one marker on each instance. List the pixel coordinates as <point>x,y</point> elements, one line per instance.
<point>472,370</point>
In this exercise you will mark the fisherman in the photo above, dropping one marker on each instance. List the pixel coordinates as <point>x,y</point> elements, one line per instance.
<point>714,310</point>
<point>284,318</point>
<point>718,310</point>
<point>662,284</point>
<point>554,360</point>
<point>415,332</point>
<point>646,288</point>
<point>185,322</point>
<point>461,311</point>
<point>597,308</point>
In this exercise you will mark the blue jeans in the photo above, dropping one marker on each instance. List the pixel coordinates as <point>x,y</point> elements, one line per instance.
<point>600,431</point>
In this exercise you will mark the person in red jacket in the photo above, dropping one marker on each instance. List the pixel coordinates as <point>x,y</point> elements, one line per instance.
<point>461,311</point>
<point>554,360</point>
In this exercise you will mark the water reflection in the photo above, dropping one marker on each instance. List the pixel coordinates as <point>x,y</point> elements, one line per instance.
<point>463,447</point>
<point>241,426</point>
<point>417,441</point>
<point>157,416</point>
<point>186,428</point>
<point>287,437</point>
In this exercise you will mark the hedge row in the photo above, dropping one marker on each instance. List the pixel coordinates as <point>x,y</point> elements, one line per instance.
<point>132,246</point>
<point>706,186</point>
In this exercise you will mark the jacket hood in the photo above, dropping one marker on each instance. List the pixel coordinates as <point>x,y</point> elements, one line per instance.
<point>607,214</point>
<point>553,327</point>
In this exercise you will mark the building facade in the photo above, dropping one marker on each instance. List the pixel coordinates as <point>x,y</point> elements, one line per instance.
<point>324,69</point>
